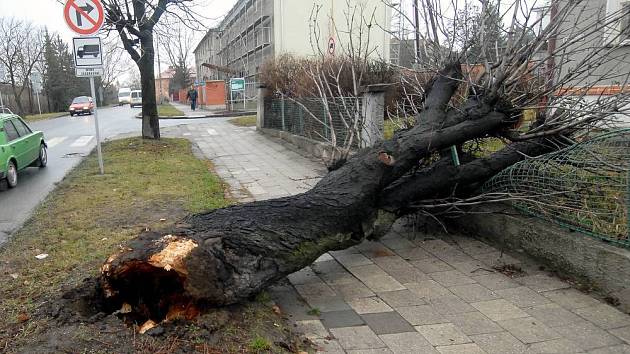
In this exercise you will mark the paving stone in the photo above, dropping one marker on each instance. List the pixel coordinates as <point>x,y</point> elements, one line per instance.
<point>421,315</point>
<point>315,289</point>
<point>434,246</point>
<point>474,247</point>
<point>443,334</point>
<point>587,336</point>
<point>400,298</point>
<point>312,329</point>
<point>429,289</point>
<point>474,323</point>
<point>499,343</point>
<point>291,305</point>
<point>497,259</point>
<point>328,266</point>
<point>523,297</point>
<point>336,319</point>
<point>472,268</point>
<point>330,346</point>
<point>353,260</point>
<point>361,337</point>
<point>473,293</point>
<point>571,298</point>
<point>555,346</point>
<point>324,257</point>
<point>542,282</point>
<point>470,348</point>
<point>327,303</point>
<point>498,310</point>
<point>528,330</point>
<point>369,305</point>
<point>454,255</point>
<point>413,253</point>
<point>374,250</point>
<point>398,243</point>
<point>406,274</point>
<point>335,278</point>
<point>408,343</point>
<point>622,333</point>
<point>617,349</point>
<point>451,278</point>
<point>431,265</point>
<point>382,283</point>
<point>450,305</point>
<point>605,316</point>
<point>353,290</point>
<point>553,315</point>
<point>496,281</point>
<point>370,351</point>
<point>304,276</point>
<point>387,323</point>
<point>394,261</point>
<point>367,271</point>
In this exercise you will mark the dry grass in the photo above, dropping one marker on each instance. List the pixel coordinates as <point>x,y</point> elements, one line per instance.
<point>246,121</point>
<point>36,117</point>
<point>168,110</point>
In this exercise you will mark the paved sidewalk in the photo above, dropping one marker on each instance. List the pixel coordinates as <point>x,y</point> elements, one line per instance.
<point>188,112</point>
<point>426,295</point>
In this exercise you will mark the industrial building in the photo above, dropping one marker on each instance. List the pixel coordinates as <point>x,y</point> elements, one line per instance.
<point>255,31</point>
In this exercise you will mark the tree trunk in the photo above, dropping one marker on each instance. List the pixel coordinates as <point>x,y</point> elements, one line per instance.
<point>227,255</point>
<point>150,121</point>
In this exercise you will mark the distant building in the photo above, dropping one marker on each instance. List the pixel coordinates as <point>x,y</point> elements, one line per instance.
<point>255,31</point>
<point>163,83</point>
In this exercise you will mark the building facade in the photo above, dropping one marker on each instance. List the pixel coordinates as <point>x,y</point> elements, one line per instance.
<point>255,31</point>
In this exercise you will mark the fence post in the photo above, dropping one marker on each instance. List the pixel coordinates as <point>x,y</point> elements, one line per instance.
<point>282,112</point>
<point>373,115</point>
<point>260,113</point>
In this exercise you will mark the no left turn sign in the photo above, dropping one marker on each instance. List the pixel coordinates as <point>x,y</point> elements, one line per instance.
<point>84,17</point>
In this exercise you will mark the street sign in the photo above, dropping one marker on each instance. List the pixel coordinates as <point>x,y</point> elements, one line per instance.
<point>84,17</point>
<point>89,72</point>
<point>3,72</point>
<point>87,52</point>
<point>237,84</point>
<point>36,82</point>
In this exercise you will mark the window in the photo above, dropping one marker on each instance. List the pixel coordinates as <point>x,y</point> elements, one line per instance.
<point>22,129</point>
<point>12,134</point>
<point>618,11</point>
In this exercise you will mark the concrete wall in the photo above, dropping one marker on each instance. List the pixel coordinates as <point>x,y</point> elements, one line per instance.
<point>292,33</point>
<point>603,266</point>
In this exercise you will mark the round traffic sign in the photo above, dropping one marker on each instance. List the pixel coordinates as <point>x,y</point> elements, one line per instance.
<point>84,17</point>
<point>331,45</point>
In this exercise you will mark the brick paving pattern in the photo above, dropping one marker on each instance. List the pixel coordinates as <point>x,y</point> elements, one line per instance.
<point>407,294</point>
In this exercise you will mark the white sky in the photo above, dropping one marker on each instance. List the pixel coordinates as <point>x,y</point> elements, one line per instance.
<point>49,14</point>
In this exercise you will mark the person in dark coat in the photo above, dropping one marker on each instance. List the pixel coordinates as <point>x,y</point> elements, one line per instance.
<point>192,96</point>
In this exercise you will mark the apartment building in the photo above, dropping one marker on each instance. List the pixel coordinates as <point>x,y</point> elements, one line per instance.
<point>255,31</point>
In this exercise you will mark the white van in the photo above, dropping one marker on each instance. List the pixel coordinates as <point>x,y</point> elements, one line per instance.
<point>136,98</point>
<point>124,96</point>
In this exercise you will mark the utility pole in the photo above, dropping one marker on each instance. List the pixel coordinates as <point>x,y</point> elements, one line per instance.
<point>416,27</point>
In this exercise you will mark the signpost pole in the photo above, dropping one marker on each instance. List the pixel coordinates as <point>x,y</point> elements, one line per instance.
<point>1,103</point>
<point>98,135</point>
<point>39,106</point>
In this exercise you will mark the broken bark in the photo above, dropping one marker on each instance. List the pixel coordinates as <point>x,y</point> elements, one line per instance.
<point>227,255</point>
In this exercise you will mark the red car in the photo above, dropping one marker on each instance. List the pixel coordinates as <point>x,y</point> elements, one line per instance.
<point>81,104</point>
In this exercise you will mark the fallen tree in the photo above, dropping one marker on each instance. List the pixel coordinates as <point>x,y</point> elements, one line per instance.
<point>225,256</point>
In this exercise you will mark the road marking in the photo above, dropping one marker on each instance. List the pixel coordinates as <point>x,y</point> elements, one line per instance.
<point>82,141</point>
<point>212,132</point>
<point>55,141</point>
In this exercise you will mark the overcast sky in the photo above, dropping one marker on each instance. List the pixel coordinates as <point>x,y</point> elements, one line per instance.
<point>49,14</point>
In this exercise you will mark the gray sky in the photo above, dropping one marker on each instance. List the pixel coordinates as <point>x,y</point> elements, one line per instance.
<point>49,13</point>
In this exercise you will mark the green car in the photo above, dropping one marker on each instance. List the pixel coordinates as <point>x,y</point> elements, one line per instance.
<point>20,147</point>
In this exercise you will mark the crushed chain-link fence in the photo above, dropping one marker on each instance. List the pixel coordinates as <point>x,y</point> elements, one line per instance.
<point>583,187</point>
<point>315,119</point>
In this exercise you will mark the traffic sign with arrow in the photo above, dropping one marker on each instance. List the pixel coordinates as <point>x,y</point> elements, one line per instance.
<point>84,17</point>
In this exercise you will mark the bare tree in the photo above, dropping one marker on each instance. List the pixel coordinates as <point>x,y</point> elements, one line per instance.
<point>114,64</point>
<point>135,22</point>
<point>21,48</point>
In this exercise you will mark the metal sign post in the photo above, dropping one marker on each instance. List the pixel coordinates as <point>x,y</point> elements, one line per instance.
<point>98,134</point>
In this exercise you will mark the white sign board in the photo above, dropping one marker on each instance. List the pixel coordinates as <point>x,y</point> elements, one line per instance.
<point>36,82</point>
<point>88,52</point>
<point>3,72</point>
<point>89,72</point>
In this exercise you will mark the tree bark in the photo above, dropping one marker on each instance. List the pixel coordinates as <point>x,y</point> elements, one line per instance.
<point>227,255</point>
<point>150,121</point>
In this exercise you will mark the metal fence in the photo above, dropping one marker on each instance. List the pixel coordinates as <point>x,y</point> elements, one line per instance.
<point>585,187</point>
<point>315,119</point>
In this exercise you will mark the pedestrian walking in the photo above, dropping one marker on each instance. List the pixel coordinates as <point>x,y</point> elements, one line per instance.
<point>192,96</point>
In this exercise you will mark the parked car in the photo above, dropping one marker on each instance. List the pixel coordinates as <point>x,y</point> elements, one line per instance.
<point>81,104</point>
<point>20,147</point>
<point>124,96</point>
<point>136,98</point>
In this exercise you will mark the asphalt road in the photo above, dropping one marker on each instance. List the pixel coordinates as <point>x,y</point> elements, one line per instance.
<point>69,140</point>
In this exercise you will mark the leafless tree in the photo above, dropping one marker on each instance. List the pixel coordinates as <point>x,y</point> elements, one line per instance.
<point>115,64</point>
<point>21,48</point>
